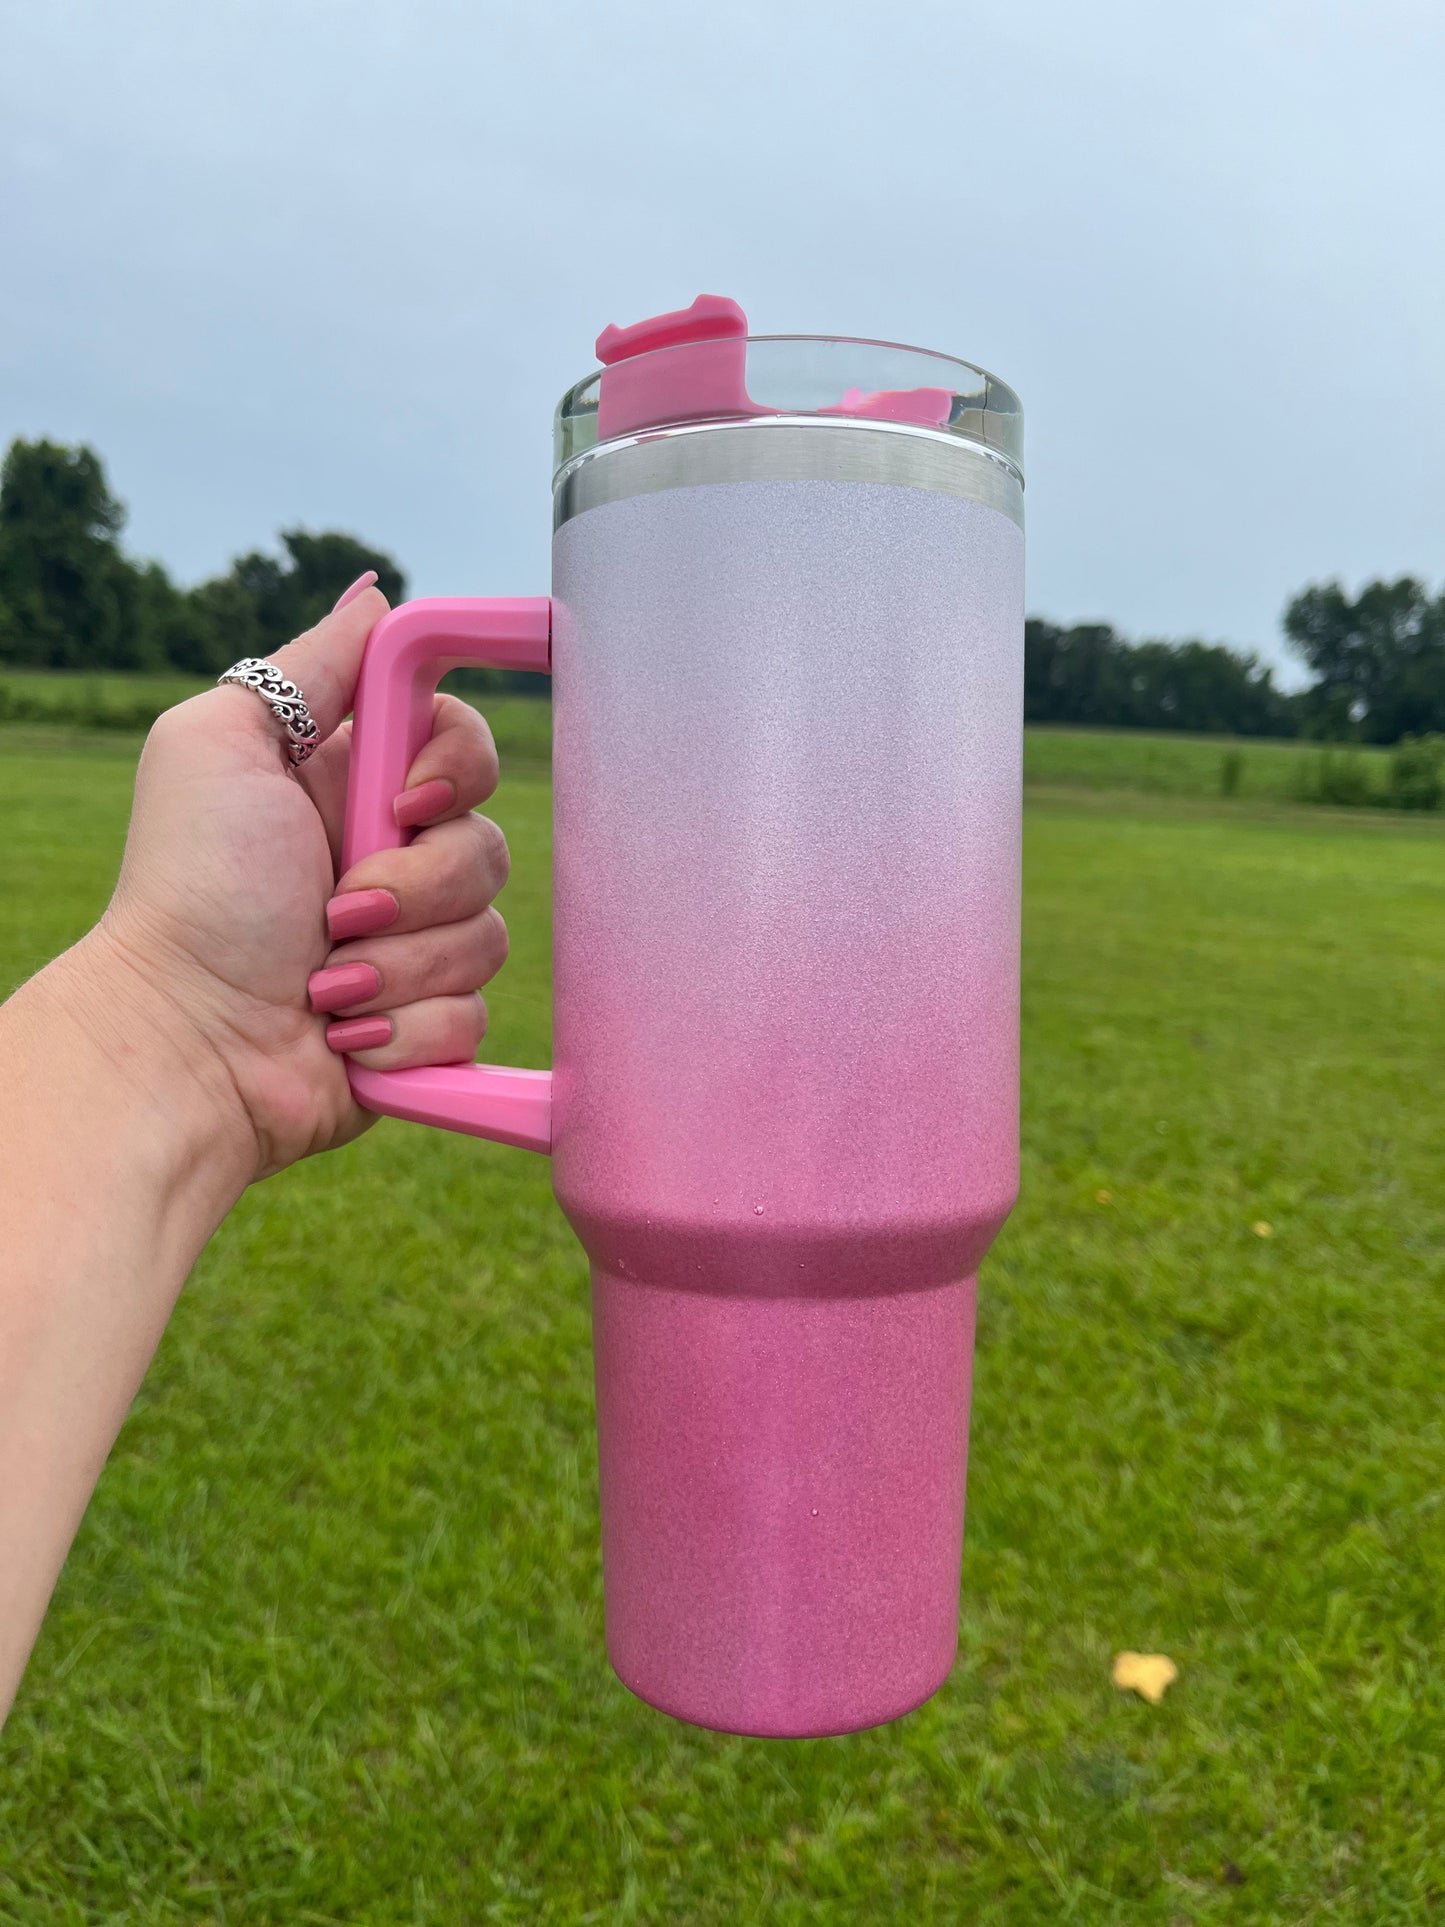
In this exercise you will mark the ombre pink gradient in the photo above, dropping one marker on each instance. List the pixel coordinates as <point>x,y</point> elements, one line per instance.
<point>788,727</point>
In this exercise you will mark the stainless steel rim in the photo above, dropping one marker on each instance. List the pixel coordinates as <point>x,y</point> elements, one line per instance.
<point>786,448</point>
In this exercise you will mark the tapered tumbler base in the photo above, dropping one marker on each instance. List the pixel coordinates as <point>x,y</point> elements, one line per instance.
<point>782,1489</point>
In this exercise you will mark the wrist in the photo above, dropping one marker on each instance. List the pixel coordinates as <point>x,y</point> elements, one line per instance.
<point>129,1058</point>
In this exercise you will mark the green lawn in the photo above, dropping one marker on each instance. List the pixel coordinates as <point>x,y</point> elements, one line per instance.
<point>96,704</point>
<point>1168,764</point>
<point>329,1649</point>
<point>1175,764</point>
<point>105,700</point>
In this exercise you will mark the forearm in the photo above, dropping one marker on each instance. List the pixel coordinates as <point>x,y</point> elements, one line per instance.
<point>115,1168</point>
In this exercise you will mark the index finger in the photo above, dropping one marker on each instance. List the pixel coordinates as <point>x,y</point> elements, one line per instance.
<point>325,663</point>
<point>455,769</point>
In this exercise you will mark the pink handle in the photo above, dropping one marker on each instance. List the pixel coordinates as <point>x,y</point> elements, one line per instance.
<point>407,654</point>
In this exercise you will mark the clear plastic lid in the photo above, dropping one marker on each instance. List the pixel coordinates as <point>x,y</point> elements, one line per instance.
<point>701,365</point>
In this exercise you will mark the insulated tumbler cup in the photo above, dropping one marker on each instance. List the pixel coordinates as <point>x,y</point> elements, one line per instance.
<point>786,641</point>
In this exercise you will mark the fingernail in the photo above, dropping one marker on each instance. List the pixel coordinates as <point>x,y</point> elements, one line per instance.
<point>425,801</point>
<point>350,595</point>
<point>341,986</point>
<point>356,913</point>
<point>359,1033</point>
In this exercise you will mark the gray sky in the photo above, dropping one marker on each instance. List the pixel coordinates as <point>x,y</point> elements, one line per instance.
<point>333,261</point>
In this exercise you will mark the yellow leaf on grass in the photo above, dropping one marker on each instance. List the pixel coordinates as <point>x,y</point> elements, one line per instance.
<point>1146,1674</point>
<point>1103,1197</point>
<point>1262,1230</point>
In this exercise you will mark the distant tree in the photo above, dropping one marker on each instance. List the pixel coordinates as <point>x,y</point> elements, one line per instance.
<point>155,619</point>
<point>220,627</point>
<point>325,564</point>
<point>1072,675</point>
<point>71,599</point>
<point>286,596</point>
<point>1378,660</point>
<point>1090,675</point>
<point>1204,686</point>
<point>62,575</point>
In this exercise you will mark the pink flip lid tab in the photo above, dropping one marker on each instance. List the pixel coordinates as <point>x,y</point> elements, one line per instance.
<point>703,377</point>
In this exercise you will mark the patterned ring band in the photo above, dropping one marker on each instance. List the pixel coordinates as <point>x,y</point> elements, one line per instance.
<point>285,701</point>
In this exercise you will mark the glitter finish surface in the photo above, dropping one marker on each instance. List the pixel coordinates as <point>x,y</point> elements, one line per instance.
<point>782,1511</point>
<point>787,753</point>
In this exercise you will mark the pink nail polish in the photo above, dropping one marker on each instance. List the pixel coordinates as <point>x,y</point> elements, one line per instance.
<point>350,595</point>
<point>359,1033</point>
<point>356,913</point>
<point>422,803</point>
<point>341,986</point>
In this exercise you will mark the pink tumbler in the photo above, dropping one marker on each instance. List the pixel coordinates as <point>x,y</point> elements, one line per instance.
<point>786,638</point>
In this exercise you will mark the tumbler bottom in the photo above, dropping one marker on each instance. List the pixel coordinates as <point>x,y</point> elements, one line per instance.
<point>782,1500</point>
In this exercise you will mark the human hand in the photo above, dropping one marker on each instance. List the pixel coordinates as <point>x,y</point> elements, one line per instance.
<point>220,919</point>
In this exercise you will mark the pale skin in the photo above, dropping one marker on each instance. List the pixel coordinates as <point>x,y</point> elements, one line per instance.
<point>173,1057</point>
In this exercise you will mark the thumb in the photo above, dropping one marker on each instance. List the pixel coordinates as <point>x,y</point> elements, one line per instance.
<point>324,664</point>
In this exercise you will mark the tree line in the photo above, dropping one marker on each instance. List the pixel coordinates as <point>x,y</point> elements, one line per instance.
<point>71,598</point>
<point>1377,660</point>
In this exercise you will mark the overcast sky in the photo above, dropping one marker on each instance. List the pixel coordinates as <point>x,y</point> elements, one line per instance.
<point>333,263</point>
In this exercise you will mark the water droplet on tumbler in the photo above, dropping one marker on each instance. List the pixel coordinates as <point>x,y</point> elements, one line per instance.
<point>757,1211</point>
<point>815,1512</point>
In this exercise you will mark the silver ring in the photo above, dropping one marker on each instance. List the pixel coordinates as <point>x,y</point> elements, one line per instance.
<point>285,701</point>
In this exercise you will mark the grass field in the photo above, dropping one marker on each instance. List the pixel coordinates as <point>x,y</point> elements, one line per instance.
<point>91,705</point>
<point>1172,764</point>
<point>329,1648</point>
<point>1179,765</point>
